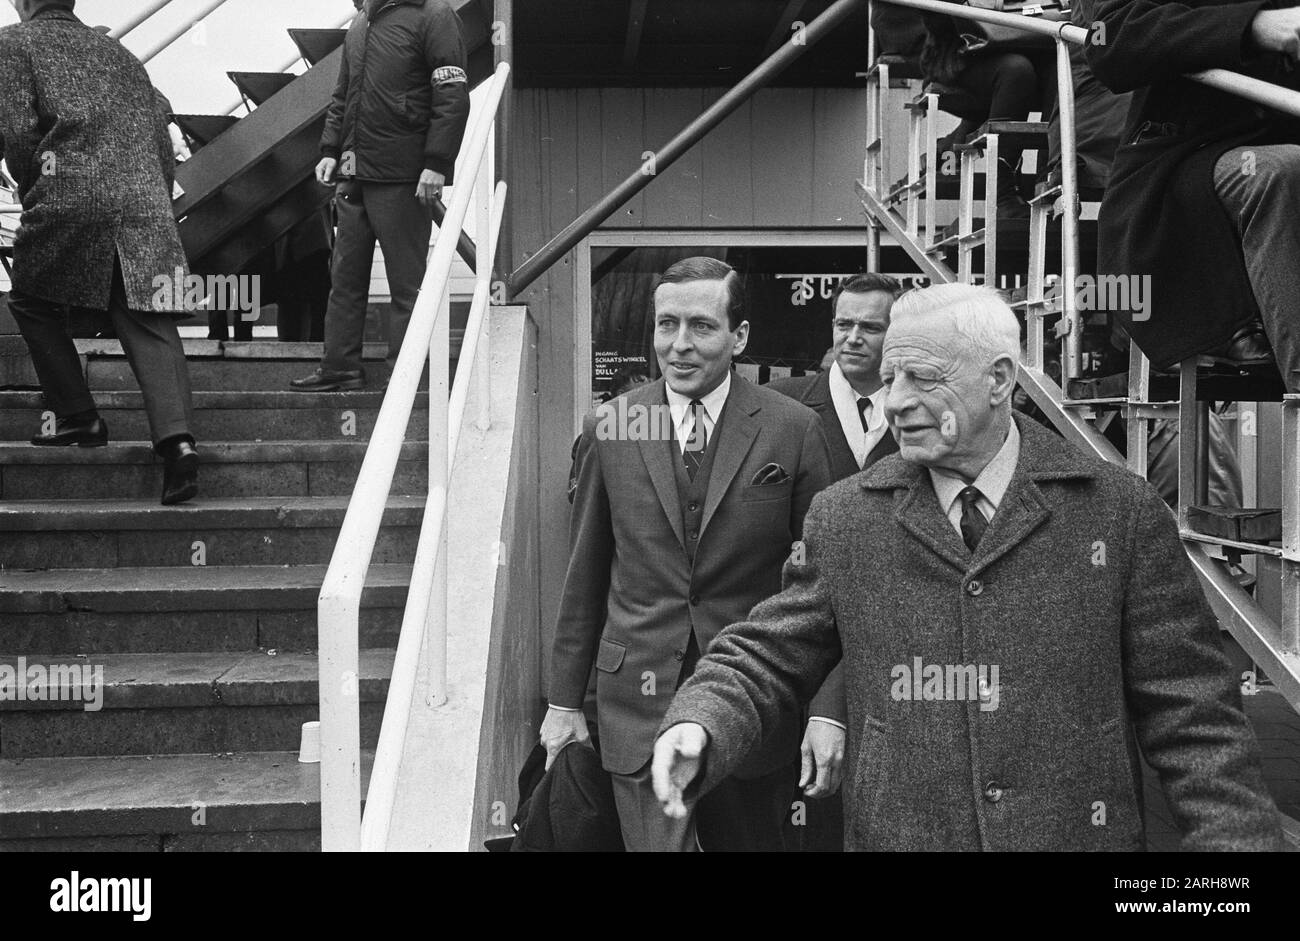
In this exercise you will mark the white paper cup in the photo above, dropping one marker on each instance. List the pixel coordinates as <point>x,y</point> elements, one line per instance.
<point>309,747</point>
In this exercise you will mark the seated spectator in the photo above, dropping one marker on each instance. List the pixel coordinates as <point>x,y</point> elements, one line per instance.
<point>1203,192</point>
<point>1001,81</point>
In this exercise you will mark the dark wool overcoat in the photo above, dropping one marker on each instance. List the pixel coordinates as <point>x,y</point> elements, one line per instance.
<point>1082,597</point>
<point>1160,215</point>
<point>83,137</point>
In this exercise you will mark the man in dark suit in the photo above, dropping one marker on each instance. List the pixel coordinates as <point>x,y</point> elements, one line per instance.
<point>850,399</point>
<point>1015,619</point>
<point>691,491</point>
<point>83,136</point>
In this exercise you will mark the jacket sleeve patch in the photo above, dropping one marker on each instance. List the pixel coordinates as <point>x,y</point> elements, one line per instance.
<point>449,75</point>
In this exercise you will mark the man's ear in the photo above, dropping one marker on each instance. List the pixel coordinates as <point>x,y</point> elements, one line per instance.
<point>1003,373</point>
<point>742,338</point>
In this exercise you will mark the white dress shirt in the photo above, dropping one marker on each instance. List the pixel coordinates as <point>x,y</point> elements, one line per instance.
<point>992,481</point>
<point>845,400</point>
<point>680,407</point>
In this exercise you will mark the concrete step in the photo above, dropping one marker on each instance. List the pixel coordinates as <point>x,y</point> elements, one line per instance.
<point>216,608</point>
<point>230,416</point>
<point>169,803</point>
<point>215,532</point>
<point>130,470</point>
<point>172,703</point>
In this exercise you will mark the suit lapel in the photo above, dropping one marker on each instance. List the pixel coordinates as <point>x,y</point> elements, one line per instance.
<point>657,456</point>
<point>885,446</point>
<point>1022,510</point>
<point>739,429</point>
<point>920,514</point>
<point>818,398</point>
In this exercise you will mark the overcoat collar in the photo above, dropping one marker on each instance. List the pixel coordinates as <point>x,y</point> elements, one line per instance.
<point>1043,457</point>
<point>735,437</point>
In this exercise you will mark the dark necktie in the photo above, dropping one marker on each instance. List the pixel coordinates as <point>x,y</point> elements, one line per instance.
<point>973,522</point>
<point>696,441</point>
<point>864,409</point>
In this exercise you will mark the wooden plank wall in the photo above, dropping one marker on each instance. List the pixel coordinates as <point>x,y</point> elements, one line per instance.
<point>787,158</point>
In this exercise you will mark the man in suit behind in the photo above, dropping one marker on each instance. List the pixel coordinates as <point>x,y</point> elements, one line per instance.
<point>691,490</point>
<point>850,399</point>
<point>1016,618</point>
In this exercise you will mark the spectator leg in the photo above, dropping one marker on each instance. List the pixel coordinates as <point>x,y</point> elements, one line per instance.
<point>403,227</point>
<point>354,255</point>
<point>1259,185</point>
<point>153,348</point>
<point>54,355</point>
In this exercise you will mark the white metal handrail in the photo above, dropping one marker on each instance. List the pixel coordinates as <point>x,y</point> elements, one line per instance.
<point>338,607</point>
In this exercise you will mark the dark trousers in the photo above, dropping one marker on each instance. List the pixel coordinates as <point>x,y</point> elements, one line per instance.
<point>149,340</point>
<point>1010,85</point>
<point>389,213</point>
<point>745,816</point>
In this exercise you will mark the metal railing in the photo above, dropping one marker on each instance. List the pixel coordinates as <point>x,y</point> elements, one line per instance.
<point>425,619</point>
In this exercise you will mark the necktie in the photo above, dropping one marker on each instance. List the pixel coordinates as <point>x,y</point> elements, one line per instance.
<point>864,410</point>
<point>696,441</point>
<point>973,522</point>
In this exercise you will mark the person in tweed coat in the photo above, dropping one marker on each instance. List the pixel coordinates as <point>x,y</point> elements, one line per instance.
<point>82,136</point>
<point>997,695</point>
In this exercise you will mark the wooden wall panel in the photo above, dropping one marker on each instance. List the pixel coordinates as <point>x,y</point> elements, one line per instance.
<point>674,198</point>
<point>728,179</point>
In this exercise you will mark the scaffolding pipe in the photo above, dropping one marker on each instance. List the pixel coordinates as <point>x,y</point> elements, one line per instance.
<point>118,32</point>
<point>688,137</point>
<point>178,33</point>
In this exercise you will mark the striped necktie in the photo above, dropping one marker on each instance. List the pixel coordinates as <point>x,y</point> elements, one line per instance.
<point>697,441</point>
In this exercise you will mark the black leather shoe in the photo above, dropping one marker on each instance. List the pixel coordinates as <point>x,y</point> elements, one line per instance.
<point>84,434</point>
<point>1249,347</point>
<point>323,380</point>
<point>180,472</point>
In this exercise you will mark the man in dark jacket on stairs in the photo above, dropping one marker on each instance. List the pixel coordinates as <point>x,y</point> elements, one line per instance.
<point>391,137</point>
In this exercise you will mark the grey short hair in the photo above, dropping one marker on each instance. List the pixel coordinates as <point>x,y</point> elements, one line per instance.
<point>978,314</point>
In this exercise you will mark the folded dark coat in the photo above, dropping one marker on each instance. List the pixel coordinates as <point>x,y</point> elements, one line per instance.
<point>82,134</point>
<point>1160,215</point>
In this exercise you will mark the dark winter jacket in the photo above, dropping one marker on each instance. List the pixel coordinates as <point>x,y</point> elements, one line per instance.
<point>84,139</point>
<point>402,99</point>
<point>1161,216</point>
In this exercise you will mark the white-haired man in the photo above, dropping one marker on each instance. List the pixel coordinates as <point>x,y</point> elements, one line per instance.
<point>1015,618</point>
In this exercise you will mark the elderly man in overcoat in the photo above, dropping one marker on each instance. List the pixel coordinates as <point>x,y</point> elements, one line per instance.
<point>1015,619</point>
<point>84,139</point>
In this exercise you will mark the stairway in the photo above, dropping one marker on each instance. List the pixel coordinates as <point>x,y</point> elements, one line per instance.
<point>202,617</point>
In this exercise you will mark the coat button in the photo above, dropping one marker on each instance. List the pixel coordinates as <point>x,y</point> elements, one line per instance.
<point>679,655</point>
<point>692,506</point>
<point>974,587</point>
<point>693,534</point>
<point>695,599</point>
<point>992,792</point>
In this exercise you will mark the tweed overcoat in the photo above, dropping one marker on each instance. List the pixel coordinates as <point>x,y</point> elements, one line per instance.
<point>84,139</point>
<point>1079,593</point>
<point>633,596</point>
<point>815,392</point>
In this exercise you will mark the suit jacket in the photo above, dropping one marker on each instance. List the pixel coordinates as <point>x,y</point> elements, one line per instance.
<point>1082,596</point>
<point>84,139</point>
<point>815,392</point>
<point>631,596</point>
<point>1160,215</point>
